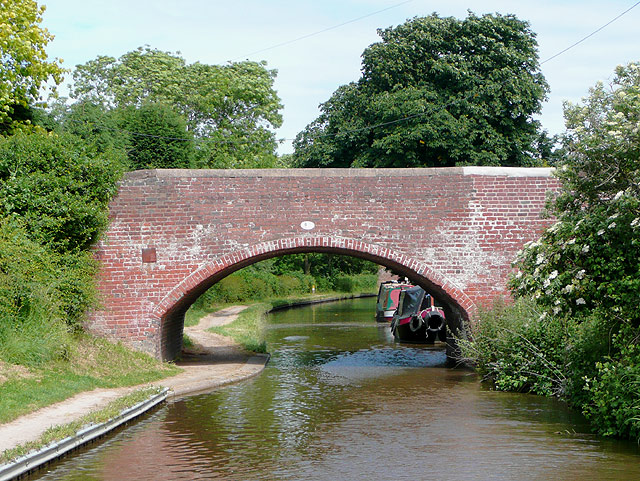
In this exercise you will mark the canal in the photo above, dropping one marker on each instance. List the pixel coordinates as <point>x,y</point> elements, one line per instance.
<point>340,400</point>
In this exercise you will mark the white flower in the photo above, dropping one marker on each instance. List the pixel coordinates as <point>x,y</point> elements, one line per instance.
<point>568,288</point>
<point>555,227</point>
<point>557,302</point>
<point>585,248</point>
<point>540,259</point>
<point>580,301</point>
<point>557,309</point>
<point>553,275</point>
<point>580,274</point>
<point>571,241</point>
<point>518,274</point>
<point>614,216</point>
<point>635,222</point>
<point>600,232</point>
<point>542,316</point>
<point>617,196</point>
<point>546,283</point>
<point>611,226</point>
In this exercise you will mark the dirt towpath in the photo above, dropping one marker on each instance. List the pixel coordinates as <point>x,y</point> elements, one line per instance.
<point>214,361</point>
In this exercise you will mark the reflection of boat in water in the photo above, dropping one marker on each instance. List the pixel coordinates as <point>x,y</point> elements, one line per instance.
<point>417,319</point>
<point>388,297</point>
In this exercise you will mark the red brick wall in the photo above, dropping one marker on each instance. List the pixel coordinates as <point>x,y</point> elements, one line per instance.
<point>174,233</point>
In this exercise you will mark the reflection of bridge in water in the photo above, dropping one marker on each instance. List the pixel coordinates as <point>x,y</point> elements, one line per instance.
<point>174,233</point>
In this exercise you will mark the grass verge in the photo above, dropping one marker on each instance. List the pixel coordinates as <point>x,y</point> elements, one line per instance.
<point>57,433</point>
<point>246,329</point>
<point>91,363</point>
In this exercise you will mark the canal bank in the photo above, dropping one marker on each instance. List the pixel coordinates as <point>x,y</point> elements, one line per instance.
<point>212,362</point>
<point>340,399</point>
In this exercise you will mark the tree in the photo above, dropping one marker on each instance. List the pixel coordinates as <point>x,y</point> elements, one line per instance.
<point>24,68</point>
<point>589,259</point>
<point>230,109</point>
<point>158,137</point>
<point>435,92</point>
<point>93,123</point>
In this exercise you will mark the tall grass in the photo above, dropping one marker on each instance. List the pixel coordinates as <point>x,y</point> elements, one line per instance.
<point>32,315</point>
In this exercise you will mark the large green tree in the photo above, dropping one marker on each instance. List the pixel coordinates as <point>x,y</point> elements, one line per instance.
<point>435,92</point>
<point>158,137</point>
<point>24,68</point>
<point>230,110</point>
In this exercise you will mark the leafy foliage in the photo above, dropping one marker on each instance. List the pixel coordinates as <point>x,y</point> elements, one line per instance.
<point>230,109</point>
<point>98,127</point>
<point>518,350</point>
<point>322,265</point>
<point>442,92</point>
<point>284,276</point>
<point>58,187</point>
<point>29,294</point>
<point>589,259</point>
<point>584,273</point>
<point>160,140</point>
<point>24,68</point>
<point>614,389</point>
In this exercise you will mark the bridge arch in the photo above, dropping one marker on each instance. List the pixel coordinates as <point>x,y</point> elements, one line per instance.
<point>170,311</point>
<point>175,232</point>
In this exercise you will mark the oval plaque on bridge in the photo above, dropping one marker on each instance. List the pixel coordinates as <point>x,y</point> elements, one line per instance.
<point>307,225</point>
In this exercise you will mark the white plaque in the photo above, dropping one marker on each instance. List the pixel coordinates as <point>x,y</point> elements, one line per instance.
<point>307,225</point>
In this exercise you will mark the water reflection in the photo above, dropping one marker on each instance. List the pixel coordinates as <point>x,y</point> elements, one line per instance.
<point>340,400</point>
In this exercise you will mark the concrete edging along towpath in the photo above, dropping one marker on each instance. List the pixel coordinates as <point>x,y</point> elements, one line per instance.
<point>217,361</point>
<point>33,460</point>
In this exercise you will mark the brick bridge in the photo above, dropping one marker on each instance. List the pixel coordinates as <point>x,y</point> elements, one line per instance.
<point>174,233</point>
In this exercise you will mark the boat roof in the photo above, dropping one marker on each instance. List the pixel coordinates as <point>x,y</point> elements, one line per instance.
<point>410,301</point>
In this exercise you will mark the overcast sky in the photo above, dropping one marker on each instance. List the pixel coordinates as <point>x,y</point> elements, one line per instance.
<point>311,68</point>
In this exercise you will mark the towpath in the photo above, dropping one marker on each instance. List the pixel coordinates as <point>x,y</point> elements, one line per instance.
<point>214,361</point>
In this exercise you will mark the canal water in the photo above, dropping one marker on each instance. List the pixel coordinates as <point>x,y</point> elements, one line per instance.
<point>340,400</point>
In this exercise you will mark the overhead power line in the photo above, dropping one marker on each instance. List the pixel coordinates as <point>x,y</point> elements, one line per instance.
<point>319,31</point>
<point>360,129</point>
<point>591,34</point>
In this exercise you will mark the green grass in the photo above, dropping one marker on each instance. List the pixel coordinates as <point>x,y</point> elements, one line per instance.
<point>246,329</point>
<point>91,363</point>
<point>57,433</point>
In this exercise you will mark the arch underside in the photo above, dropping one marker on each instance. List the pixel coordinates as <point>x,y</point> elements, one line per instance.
<point>171,310</point>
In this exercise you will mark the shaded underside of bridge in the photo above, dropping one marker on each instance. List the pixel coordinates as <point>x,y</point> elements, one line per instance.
<point>175,233</point>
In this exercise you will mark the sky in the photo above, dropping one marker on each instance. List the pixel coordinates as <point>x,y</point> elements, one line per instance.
<point>316,46</point>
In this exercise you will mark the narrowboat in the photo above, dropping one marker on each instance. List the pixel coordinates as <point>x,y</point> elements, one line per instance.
<point>417,319</point>
<point>388,297</point>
